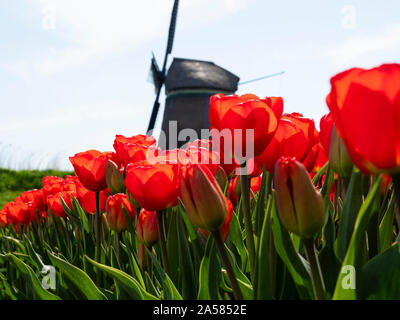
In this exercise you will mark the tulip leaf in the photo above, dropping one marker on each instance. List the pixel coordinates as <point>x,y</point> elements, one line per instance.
<point>210,272</point>
<point>352,262</point>
<point>78,277</point>
<point>295,263</point>
<point>236,238</point>
<point>266,260</point>
<point>129,283</point>
<point>381,276</point>
<point>37,287</point>
<point>185,263</point>
<point>82,215</point>
<point>170,291</point>
<point>386,227</point>
<point>349,214</point>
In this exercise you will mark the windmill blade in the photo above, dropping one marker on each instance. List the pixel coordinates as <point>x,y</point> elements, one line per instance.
<point>171,36</point>
<point>155,73</point>
<point>172,27</point>
<point>262,78</point>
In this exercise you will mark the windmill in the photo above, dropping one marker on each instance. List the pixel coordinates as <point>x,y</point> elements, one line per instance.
<point>189,84</point>
<point>160,75</point>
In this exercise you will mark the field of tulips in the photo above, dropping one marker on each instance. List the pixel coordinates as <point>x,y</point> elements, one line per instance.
<point>310,215</point>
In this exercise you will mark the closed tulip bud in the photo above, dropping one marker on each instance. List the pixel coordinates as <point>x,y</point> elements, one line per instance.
<point>115,214</point>
<point>147,227</point>
<point>300,206</point>
<point>202,198</point>
<point>221,177</point>
<point>338,157</point>
<point>115,179</point>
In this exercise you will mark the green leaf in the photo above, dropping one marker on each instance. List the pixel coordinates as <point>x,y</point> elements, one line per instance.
<point>209,269</point>
<point>130,284</point>
<point>355,250</point>
<point>381,276</point>
<point>189,286</point>
<point>170,290</point>
<point>295,263</point>
<point>82,215</point>
<point>78,277</point>
<point>27,271</point>
<point>266,260</point>
<point>349,215</point>
<point>386,227</point>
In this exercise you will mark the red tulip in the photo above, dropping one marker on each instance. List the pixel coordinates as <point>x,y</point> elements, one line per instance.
<point>90,168</point>
<point>299,205</point>
<point>120,144</point>
<point>296,137</point>
<point>147,227</point>
<point>52,185</point>
<point>115,214</point>
<point>244,112</point>
<point>54,202</point>
<point>325,127</point>
<point>87,198</point>
<point>153,186</point>
<point>365,105</point>
<point>19,212</point>
<point>202,197</point>
<point>35,197</point>
<point>234,188</point>
<point>225,227</point>
<point>3,218</point>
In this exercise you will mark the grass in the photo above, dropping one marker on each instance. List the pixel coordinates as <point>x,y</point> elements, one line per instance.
<point>13,183</point>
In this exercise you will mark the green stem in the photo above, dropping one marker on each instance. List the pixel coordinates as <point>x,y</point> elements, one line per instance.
<point>396,185</point>
<point>163,239</point>
<point>245,189</point>
<point>237,293</point>
<point>98,236</point>
<point>316,274</point>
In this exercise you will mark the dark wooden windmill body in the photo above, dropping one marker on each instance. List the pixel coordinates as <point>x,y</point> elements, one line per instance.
<point>189,85</point>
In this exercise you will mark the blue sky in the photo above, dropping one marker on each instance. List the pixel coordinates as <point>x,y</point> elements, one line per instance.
<point>74,72</point>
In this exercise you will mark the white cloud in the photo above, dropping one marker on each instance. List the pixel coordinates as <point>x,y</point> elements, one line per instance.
<point>386,42</point>
<point>94,28</point>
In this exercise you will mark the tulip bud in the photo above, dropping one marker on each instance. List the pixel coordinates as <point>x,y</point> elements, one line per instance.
<point>221,177</point>
<point>299,205</point>
<point>115,214</point>
<point>225,227</point>
<point>202,198</point>
<point>147,227</point>
<point>338,157</point>
<point>115,179</point>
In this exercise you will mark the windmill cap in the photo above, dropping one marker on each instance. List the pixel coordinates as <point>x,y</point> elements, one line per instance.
<point>196,74</point>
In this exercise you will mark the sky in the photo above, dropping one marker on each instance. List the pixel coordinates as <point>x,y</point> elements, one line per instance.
<point>74,73</point>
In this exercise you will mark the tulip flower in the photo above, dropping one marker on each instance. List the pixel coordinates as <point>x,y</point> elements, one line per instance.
<point>225,227</point>
<point>296,136</point>
<point>202,198</point>
<point>3,218</point>
<point>301,211</point>
<point>153,186</point>
<point>90,169</point>
<point>55,205</point>
<point>338,157</point>
<point>35,197</point>
<point>299,205</point>
<point>365,106</point>
<point>115,214</point>
<point>325,126</point>
<point>19,212</point>
<point>114,178</point>
<point>87,198</point>
<point>147,227</point>
<point>52,185</point>
<point>121,142</point>
<point>234,189</point>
